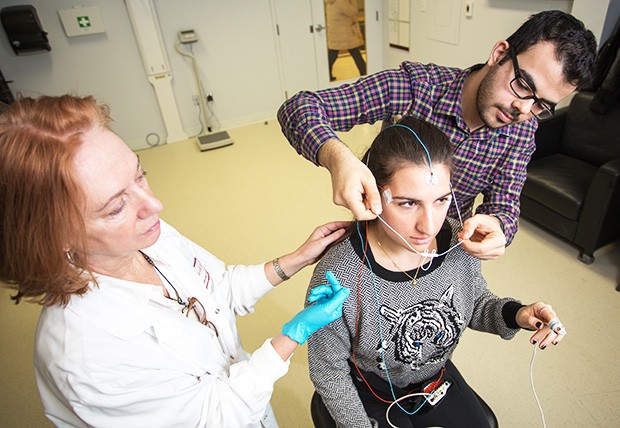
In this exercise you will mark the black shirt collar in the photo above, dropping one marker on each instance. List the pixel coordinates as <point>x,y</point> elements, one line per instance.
<point>444,238</point>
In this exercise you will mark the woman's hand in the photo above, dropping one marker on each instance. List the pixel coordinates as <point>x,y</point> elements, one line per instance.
<point>541,317</point>
<point>308,253</point>
<point>311,250</point>
<point>327,307</point>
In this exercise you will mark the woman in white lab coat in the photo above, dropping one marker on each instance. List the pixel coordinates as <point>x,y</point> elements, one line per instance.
<point>138,325</point>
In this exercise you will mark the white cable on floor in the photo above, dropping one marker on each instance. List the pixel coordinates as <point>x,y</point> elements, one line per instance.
<point>542,414</point>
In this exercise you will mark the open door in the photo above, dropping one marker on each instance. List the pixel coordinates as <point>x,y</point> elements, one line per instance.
<point>301,31</point>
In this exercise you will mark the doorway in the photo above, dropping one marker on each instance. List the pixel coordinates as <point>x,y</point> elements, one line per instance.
<point>346,39</point>
<point>301,32</point>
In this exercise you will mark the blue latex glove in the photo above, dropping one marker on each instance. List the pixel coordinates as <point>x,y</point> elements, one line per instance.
<point>327,307</point>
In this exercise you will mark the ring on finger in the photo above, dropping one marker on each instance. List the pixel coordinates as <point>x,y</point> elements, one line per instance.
<point>543,308</point>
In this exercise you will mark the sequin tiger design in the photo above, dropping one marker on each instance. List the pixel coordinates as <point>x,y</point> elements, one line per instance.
<point>424,332</point>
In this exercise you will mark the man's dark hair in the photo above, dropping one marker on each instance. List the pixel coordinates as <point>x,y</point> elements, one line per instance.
<point>575,46</point>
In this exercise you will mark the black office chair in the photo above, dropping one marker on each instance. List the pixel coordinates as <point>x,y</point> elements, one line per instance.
<point>573,180</point>
<point>322,419</point>
<point>320,415</point>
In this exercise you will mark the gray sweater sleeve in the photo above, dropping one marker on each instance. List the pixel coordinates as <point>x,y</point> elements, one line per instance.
<point>328,352</point>
<point>487,315</point>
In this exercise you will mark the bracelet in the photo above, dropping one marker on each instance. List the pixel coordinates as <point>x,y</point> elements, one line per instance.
<point>279,271</point>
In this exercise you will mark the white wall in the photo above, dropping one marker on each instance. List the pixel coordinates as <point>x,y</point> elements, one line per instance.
<point>613,13</point>
<point>236,54</point>
<point>492,20</point>
<point>106,65</point>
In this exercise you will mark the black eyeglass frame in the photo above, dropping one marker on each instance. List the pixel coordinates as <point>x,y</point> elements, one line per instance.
<point>546,111</point>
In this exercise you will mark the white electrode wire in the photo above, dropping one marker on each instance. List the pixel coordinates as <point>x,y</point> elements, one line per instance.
<point>425,253</point>
<point>542,414</point>
<point>201,92</point>
<point>387,412</point>
<point>456,205</point>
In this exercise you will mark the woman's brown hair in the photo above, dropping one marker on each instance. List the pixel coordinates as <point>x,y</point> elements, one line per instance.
<point>409,141</point>
<point>41,226</point>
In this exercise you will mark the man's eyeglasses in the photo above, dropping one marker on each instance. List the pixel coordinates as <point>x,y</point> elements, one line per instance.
<point>522,89</point>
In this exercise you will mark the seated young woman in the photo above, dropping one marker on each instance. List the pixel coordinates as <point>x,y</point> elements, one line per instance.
<point>414,291</point>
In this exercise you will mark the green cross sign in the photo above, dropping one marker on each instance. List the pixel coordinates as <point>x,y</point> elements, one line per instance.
<point>83,21</point>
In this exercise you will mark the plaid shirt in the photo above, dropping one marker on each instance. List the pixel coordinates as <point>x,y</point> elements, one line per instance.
<point>488,161</point>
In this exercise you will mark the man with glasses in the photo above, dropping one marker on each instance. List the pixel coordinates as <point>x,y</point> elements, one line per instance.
<point>489,111</point>
<point>541,109</point>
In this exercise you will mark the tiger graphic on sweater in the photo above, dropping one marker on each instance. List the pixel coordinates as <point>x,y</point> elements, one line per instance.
<point>424,332</point>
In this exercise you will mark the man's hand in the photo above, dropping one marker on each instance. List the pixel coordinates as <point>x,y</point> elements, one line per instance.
<point>353,185</point>
<point>482,237</point>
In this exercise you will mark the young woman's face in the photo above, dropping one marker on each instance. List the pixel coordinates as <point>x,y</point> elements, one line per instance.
<point>418,209</point>
<point>121,214</point>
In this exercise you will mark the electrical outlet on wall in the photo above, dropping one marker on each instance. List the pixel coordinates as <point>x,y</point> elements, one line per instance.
<point>469,9</point>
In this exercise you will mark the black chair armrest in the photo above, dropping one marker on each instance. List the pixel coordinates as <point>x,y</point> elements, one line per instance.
<point>549,134</point>
<point>601,208</point>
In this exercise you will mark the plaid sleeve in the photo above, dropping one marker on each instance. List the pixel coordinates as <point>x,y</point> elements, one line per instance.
<point>309,119</point>
<point>502,197</point>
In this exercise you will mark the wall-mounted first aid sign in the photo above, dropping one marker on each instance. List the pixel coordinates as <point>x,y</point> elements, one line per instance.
<point>81,21</point>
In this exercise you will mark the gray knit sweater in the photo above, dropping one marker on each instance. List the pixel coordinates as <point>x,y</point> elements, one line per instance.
<point>413,329</point>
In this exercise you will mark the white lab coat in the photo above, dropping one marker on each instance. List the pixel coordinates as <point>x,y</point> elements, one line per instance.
<point>121,355</point>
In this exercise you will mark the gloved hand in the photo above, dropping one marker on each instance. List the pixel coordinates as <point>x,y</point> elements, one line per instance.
<point>327,308</point>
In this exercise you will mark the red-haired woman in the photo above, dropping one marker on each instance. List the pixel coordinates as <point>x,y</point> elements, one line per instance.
<point>138,325</point>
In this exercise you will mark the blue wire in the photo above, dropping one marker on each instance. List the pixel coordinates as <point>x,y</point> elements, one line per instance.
<point>387,373</point>
<point>428,155</point>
